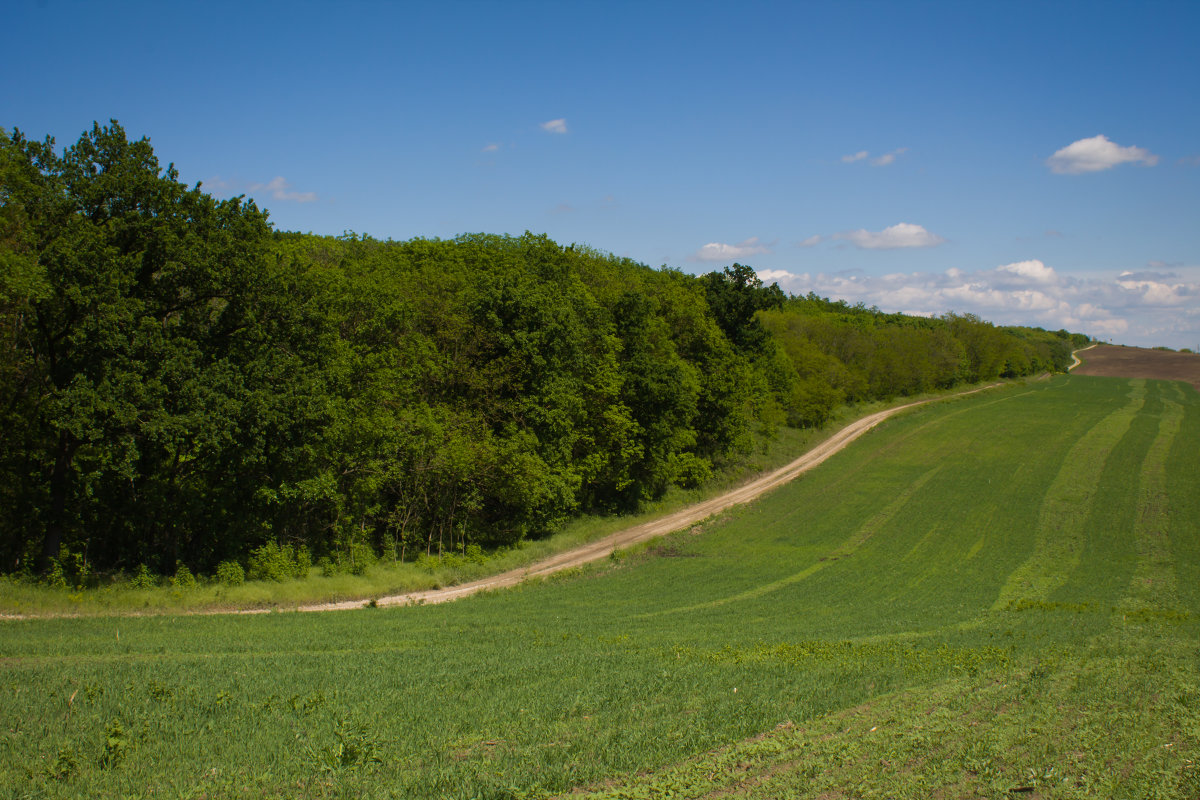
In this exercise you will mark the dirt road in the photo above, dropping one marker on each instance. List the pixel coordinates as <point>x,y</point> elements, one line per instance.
<point>601,548</point>
<point>1075,360</point>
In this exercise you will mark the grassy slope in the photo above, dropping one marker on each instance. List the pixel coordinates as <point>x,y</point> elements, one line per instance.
<point>990,594</point>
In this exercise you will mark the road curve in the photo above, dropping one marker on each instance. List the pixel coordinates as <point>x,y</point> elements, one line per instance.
<point>1075,360</point>
<point>601,548</point>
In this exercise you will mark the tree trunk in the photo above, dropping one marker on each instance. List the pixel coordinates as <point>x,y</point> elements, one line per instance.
<point>60,479</point>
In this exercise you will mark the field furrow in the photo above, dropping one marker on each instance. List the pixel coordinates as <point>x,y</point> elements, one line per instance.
<point>1065,509</point>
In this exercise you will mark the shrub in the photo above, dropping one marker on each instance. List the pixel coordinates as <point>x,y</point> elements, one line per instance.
<point>356,559</point>
<point>183,578</point>
<point>143,579</point>
<point>56,577</point>
<point>67,570</point>
<point>303,562</point>
<point>230,573</point>
<point>691,470</point>
<point>275,562</point>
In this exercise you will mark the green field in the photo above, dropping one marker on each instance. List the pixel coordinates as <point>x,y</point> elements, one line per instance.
<point>984,596</point>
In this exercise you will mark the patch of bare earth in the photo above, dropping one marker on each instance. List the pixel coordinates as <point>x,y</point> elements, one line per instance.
<point>1115,361</point>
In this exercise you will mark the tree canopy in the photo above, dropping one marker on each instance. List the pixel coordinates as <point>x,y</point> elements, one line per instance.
<point>180,384</point>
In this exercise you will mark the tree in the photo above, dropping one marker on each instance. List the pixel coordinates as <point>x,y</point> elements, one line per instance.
<point>735,296</point>
<point>130,360</point>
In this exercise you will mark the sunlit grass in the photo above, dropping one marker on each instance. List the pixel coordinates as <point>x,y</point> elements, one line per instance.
<point>856,608</point>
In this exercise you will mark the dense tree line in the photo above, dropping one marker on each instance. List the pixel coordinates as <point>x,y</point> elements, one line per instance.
<point>180,384</point>
<point>849,353</point>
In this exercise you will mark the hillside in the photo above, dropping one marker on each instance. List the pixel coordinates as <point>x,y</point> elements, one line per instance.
<point>187,392</point>
<point>989,595</point>
<point>1140,362</point>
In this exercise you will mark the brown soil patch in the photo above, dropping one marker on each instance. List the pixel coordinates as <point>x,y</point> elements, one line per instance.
<point>1114,361</point>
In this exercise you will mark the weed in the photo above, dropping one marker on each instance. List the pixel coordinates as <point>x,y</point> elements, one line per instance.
<point>116,745</point>
<point>353,747</point>
<point>64,766</point>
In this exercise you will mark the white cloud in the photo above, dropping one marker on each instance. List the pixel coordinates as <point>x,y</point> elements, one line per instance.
<point>218,185</point>
<point>718,251</point>
<point>491,148</point>
<point>1095,154</point>
<point>1159,289</point>
<point>888,158</point>
<point>1033,270</point>
<point>810,241</point>
<point>903,234</point>
<point>877,161</point>
<point>280,189</point>
<point>555,126</point>
<point>1144,308</point>
<point>772,275</point>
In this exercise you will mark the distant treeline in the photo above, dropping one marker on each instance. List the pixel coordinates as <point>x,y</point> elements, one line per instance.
<point>181,385</point>
<point>840,353</point>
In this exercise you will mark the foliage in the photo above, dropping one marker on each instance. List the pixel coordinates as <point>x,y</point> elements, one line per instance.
<point>854,611</point>
<point>183,578</point>
<point>230,573</point>
<point>189,387</point>
<point>838,352</point>
<point>735,296</point>
<point>183,387</point>
<point>276,562</point>
<point>143,579</point>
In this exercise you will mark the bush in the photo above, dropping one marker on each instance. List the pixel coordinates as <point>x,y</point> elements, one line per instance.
<point>356,559</point>
<point>143,579</point>
<point>276,562</point>
<point>183,578</point>
<point>303,562</point>
<point>691,470</point>
<point>68,570</point>
<point>230,573</point>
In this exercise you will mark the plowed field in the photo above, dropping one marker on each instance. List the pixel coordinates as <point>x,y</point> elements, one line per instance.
<point>1138,362</point>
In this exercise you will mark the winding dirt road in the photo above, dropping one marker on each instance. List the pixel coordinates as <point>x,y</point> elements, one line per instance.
<point>1075,360</point>
<point>601,548</point>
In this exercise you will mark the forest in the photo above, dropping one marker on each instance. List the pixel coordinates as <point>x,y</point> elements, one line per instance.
<point>182,385</point>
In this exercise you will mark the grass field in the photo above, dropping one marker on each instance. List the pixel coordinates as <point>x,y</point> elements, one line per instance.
<point>988,596</point>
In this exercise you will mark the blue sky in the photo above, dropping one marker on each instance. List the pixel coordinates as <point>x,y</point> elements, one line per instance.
<point>1034,163</point>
